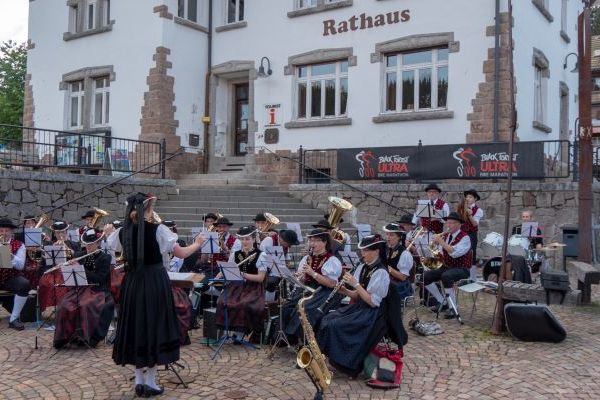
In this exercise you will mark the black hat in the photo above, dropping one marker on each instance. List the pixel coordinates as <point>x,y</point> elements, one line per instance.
<point>59,226</point>
<point>324,224</point>
<point>393,228</point>
<point>473,193</point>
<point>7,223</point>
<point>289,236</point>
<point>406,219</point>
<point>370,241</point>
<point>117,223</point>
<point>223,221</point>
<point>169,224</point>
<point>319,232</point>
<point>88,214</point>
<point>454,216</point>
<point>326,216</point>
<point>29,218</point>
<point>91,235</point>
<point>136,198</point>
<point>260,217</point>
<point>245,231</point>
<point>433,186</point>
<point>210,216</point>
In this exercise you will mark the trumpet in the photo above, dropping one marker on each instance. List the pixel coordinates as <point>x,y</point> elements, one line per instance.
<point>68,250</point>
<point>72,261</point>
<point>418,233</point>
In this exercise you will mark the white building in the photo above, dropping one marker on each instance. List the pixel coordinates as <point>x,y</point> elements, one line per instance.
<point>345,73</point>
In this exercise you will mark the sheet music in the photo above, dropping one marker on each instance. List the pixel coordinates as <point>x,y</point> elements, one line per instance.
<point>33,237</point>
<point>427,210</point>
<point>74,275</point>
<point>54,255</point>
<point>5,257</point>
<point>74,235</point>
<point>196,230</point>
<point>529,229</point>
<point>231,271</point>
<point>349,258</point>
<point>295,226</point>
<point>185,276</point>
<point>362,230</point>
<point>211,246</point>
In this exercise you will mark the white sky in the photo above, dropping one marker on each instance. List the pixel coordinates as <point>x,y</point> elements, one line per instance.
<point>13,20</point>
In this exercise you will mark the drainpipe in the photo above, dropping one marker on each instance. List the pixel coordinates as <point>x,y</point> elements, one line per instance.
<point>206,144</point>
<point>495,137</point>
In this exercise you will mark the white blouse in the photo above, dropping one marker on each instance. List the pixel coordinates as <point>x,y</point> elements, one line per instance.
<point>262,264</point>
<point>378,285</point>
<point>405,263</point>
<point>164,236</point>
<point>332,268</point>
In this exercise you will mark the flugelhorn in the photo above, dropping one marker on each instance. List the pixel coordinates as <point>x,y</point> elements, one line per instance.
<point>437,260</point>
<point>338,207</point>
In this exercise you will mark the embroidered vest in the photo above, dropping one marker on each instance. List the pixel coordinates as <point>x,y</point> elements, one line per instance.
<point>249,267</point>
<point>434,225</point>
<point>316,264</point>
<point>464,261</point>
<point>367,272</point>
<point>468,226</point>
<point>393,255</point>
<point>8,273</point>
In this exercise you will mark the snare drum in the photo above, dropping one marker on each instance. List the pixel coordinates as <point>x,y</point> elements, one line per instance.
<point>518,246</point>
<point>492,245</point>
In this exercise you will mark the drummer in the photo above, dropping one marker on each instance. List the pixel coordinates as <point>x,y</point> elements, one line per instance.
<point>536,241</point>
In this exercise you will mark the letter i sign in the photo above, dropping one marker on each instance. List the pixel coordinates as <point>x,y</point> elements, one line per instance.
<point>272,115</point>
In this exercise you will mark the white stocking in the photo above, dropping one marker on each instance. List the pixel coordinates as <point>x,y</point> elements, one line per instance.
<point>18,305</point>
<point>435,292</point>
<point>151,378</point>
<point>139,376</point>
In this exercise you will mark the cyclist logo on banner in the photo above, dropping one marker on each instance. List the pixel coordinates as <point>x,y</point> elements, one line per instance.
<point>464,157</point>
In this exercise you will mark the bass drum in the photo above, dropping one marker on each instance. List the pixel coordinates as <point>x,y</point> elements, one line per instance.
<point>491,268</point>
<point>491,246</point>
<point>518,246</point>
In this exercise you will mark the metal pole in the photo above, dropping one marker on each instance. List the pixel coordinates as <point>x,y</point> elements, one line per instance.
<point>163,153</point>
<point>585,136</point>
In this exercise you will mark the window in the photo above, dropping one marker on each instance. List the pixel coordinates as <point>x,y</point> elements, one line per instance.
<point>100,115</point>
<point>76,98</point>
<point>416,81</point>
<point>235,11</point>
<point>106,12</point>
<point>595,84</point>
<point>188,9</point>
<point>322,90</point>
<point>305,4</point>
<point>74,19</point>
<point>91,15</point>
<point>539,101</point>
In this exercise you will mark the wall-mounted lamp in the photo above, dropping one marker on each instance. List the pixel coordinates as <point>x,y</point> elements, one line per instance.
<point>576,68</point>
<point>261,70</point>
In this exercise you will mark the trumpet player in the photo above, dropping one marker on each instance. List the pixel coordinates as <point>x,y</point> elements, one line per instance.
<point>227,242</point>
<point>11,278</point>
<point>456,253</point>
<point>398,260</point>
<point>60,230</point>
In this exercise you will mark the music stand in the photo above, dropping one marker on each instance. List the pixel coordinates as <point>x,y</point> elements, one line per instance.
<point>53,256</point>
<point>282,272</point>
<point>230,273</point>
<point>529,229</point>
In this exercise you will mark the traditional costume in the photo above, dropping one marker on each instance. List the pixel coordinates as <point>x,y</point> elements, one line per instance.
<point>401,260</point>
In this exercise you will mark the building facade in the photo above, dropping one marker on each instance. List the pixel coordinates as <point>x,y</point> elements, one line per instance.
<point>312,73</point>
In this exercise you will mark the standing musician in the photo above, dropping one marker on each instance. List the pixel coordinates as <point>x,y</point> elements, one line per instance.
<point>268,238</point>
<point>87,218</point>
<point>87,311</point>
<point>343,334</point>
<point>245,300</point>
<point>471,213</point>
<point>147,331</point>
<point>12,279</point>
<point>433,192</point>
<point>456,252</point>
<point>318,270</point>
<point>398,260</point>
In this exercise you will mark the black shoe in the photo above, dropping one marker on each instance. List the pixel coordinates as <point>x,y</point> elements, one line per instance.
<point>139,390</point>
<point>16,325</point>
<point>150,391</point>
<point>450,314</point>
<point>435,308</point>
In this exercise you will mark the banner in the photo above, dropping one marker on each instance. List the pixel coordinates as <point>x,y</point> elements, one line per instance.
<point>462,161</point>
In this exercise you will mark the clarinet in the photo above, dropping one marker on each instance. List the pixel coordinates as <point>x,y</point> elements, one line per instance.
<point>334,292</point>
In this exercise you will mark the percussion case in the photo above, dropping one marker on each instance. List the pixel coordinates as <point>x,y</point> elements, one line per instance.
<point>533,323</point>
<point>555,280</point>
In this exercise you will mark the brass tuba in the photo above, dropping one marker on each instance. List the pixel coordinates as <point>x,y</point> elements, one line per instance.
<point>338,207</point>
<point>271,220</point>
<point>35,254</point>
<point>98,214</point>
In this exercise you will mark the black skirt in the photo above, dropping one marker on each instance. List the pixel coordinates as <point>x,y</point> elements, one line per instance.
<point>245,303</point>
<point>147,330</point>
<point>292,325</point>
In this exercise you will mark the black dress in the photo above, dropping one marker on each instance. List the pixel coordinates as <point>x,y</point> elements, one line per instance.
<point>147,329</point>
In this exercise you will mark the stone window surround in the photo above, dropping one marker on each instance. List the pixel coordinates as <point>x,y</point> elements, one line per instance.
<point>321,6</point>
<point>87,75</point>
<point>410,43</point>
<point>563,91</point>
<point>231,26</point>
<point>539,60</point>
<point>228,26</point>
<point>539,4</point>
<point>80,32</point>
<point>315,57</point>
<point>163,12</point>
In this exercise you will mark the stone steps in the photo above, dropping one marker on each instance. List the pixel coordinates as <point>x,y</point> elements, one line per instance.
<point>219,204</point>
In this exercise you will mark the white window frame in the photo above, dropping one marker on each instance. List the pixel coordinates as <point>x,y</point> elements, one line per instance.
<point>104,92</point>
<point>93,4</point>
<point>540,95</point>
<point>238,6</point>
<point>337,76</point>
<point>80,96</point>
<point>186,10</point>
<point>399,68</point>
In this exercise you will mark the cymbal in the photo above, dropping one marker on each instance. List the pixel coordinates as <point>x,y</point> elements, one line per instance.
<point>556,244</point>
<point>548,249</point>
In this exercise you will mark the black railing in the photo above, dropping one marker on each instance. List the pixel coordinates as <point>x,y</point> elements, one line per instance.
<point>321,165</point>
<point>596,162</point>
<point>91,152</point>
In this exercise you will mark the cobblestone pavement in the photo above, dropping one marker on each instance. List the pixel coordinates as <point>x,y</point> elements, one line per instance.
<point>466,362</point>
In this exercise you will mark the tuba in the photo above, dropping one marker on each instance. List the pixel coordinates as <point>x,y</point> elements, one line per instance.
<point>338,208</point>
<point>35,254</point>
<point>98,214</point>
<point>271,220</point>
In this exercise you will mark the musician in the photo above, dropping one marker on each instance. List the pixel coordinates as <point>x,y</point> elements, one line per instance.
<point>398,260</point>
<point>471,213</point>
<point>336,246</point>
<point>87,218</point>
<point>319,269</point>
<point>147,331</point>
<point>227,242</point>
<point>536,241</point>
<point>455,245</point>
<point>343,333</point>
<point>61,233</point>
<point>209,219</point>
<point>268,236</point>
<point>287,239</point>
<point>85,313</point>
<point>245,300</point>
<point>433,192</point>
<point>12,279</point>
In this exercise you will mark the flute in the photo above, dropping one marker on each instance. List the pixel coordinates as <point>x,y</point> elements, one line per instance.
<point>334,291</point>
<point>72,261</point>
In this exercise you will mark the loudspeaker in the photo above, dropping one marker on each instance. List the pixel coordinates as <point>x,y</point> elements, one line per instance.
<point>209,323</point>
<point>533,323</point>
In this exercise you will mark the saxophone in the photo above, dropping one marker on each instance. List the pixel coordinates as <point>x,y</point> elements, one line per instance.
<point>309,357</point>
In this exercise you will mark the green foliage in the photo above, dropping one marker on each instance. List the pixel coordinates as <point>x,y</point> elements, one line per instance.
<point>13,68</point>
<point>595,20</point>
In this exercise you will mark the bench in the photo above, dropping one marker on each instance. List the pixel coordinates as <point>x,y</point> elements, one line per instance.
<point>525,292</point>
<point>587,275</point>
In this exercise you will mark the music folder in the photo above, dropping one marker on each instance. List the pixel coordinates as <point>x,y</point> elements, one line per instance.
<point>427,210</point>
<point>54,255</point>
<point>33,237</point>
<point>74,275</point>
<point>231,272</point>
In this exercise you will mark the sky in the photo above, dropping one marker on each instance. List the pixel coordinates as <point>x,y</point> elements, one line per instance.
<point>13,20</point>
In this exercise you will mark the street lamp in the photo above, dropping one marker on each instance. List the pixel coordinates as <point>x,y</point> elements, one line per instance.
<point>576,67</point>
<point>261,69</point>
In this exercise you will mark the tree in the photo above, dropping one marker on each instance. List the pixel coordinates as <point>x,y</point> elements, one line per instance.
<point>595,20</point>
<point>13,68</point>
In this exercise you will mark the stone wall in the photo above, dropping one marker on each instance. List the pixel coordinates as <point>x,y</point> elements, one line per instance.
<point>24,192</point>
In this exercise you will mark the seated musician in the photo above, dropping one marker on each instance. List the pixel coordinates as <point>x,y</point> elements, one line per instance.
<point>228,243</point>
<point>209,219</point>
<point>84,314</point>
<point>456,251</point>
<point>536,239</point>
<point>287,239</point>
<point>244,301</point>
<point>12,279</point>
<point>336,246</point>
<point>399,261</point>
<point>319,269</point>
<point>433,193</point>
<point>343,333</point>
<point>30,221</point>
<point>268,236</point>
<point>111,234</point>
<point>34,261</point>
<point>87,219</point>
